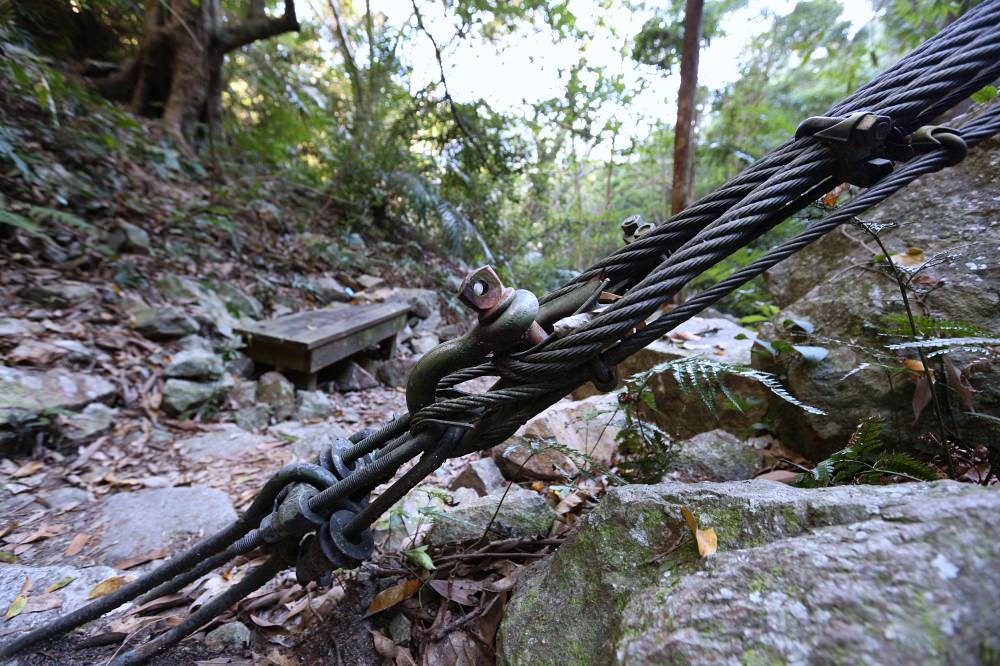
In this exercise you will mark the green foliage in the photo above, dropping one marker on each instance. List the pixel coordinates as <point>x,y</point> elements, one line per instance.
<point>865,460</point>
<point>645,450</point>
<point>659,42</point>
<point>703,378</point>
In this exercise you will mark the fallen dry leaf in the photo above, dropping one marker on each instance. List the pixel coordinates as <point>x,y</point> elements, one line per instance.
<point>460,591</point>
<point>42,602</point>
<point>77,544</point>
<point>59,584</point>
<point>391,596</point>
<point>157,554</point>
<point>16,606</point>
<point>914,256</point>
<point>707,541</point>
<point>922,397</point>
<point>779,475</point>
<point>106,587</point>
<point>27,469</point>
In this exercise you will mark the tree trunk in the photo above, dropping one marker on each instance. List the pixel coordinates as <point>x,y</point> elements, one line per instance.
<point>684,130</point>
<point>177,73</point>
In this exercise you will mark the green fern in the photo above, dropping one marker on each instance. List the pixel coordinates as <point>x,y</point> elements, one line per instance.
<point>945,345</point>
<point>424,198</point>
<point>59,218</point>
<point>704,377</point>
<point>898,325</point>
<point>864,460</point>
<point>12,219</point>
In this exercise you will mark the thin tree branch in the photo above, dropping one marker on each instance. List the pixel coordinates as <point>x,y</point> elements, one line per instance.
<point>459,121</point>
<point>258,27</point>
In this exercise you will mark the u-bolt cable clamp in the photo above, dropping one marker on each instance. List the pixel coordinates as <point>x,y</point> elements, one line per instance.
<point>857,142</point>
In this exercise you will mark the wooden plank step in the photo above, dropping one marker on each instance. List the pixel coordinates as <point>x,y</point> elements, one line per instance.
<point>308,342</point>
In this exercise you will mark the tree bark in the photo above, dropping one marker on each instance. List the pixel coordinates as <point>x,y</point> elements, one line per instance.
<point>177,74</point>
<point>680,197</point>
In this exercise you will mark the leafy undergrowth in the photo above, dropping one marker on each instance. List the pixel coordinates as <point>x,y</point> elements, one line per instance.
<point>73,167</point>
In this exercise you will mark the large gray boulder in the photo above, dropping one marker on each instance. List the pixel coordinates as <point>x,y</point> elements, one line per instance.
<point>953,216</point>
<point>900,574</point>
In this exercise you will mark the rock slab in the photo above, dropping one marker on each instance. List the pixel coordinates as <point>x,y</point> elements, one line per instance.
<point>902,574</point>
<point>141,522</point>
<point>25,393</point>
<point>62,601</point>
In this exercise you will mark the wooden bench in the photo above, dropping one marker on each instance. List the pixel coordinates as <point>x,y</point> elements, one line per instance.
<point>304,344</point>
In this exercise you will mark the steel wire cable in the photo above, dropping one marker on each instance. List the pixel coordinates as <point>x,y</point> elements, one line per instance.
<point>974,132</point>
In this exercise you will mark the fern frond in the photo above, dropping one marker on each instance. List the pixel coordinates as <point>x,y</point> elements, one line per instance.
<point>899,325</point>
<point>901,464</point>
<point>423,196</point>
<point>975,343</point>
<point>704,377</point>
<point>12,219</point>
<point>59,217</point>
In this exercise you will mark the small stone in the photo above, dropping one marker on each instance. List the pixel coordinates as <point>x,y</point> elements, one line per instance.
<point>194,364</point>
<point>355,241</point>
<point>35,352</point>
<point>245,304</point>
<point>716,456</point>
<point>77,352</point>
<point>422,344</point>
<point>62,294</point>
<point>240,365</point>
<point>163,323</point>
<point>587,427</point>
<point>195,342</point>
<point>226,443</point>
<point>180,395</point>
<point>274,390</point>
<point>231,637</point>
<point>147,520</point>
<point>370,281</point>
<point>400,629</point>
<point>95,419</point>
<point>352,377</point>
<point>133,237</point>
<point>447,332</point>
<point>396,371</point>
<point>309,440</point>
<point>13,327</point>
<point>329,290</point>
<point>67,496</point>
<point>244,393</point>
<point>312,405</point>
<point>522,513</point>
<point>482,476</point>
<point>252,418</point>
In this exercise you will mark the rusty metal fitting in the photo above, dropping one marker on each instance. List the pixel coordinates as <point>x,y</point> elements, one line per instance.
<point>483,293</point>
